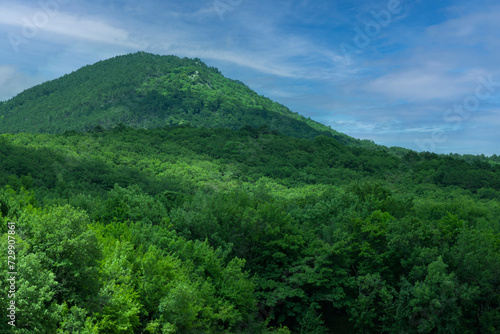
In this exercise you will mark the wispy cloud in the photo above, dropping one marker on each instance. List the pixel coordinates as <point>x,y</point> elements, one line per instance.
<point>26,21</point>
<point>476,26</point>
<point>423,84</point>
<point>13,81</point>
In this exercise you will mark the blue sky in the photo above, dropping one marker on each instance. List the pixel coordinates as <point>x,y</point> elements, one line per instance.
<point>420,74</point>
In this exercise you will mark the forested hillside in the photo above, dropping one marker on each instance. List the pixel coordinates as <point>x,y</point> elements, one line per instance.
<point>150,194</point>
<point>195,230</point>
<point>148,91</point>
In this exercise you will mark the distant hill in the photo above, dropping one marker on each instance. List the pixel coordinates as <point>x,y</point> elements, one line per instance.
<point>143,90</point>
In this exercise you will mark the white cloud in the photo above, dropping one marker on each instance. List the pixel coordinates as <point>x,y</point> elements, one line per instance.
<point>32,22</point>
<point>13,82</point>
<point>427,83</point>
<point>470,28</point>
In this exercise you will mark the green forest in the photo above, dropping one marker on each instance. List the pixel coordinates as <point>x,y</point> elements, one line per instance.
<point>150,194</point>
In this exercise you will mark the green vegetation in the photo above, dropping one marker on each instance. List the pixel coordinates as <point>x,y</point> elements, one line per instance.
<point>237,229</point>
<point>207,230</point>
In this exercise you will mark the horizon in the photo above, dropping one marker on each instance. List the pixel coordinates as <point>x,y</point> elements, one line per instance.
<point>412,74</point>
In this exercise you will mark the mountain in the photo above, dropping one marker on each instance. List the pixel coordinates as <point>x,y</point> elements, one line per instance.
<point>143,90</point>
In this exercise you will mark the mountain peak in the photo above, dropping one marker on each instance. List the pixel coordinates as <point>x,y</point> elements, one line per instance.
<point>144,90</point>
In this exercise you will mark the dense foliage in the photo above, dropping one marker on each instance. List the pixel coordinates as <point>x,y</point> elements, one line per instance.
<point>188,230</point>
<point>150,194</point>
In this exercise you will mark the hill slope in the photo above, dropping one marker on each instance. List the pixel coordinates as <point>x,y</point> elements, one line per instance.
<point>148,91</point>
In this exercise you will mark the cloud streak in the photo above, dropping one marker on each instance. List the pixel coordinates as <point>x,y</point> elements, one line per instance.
<point>27,23</point>
<point>12,81</point>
